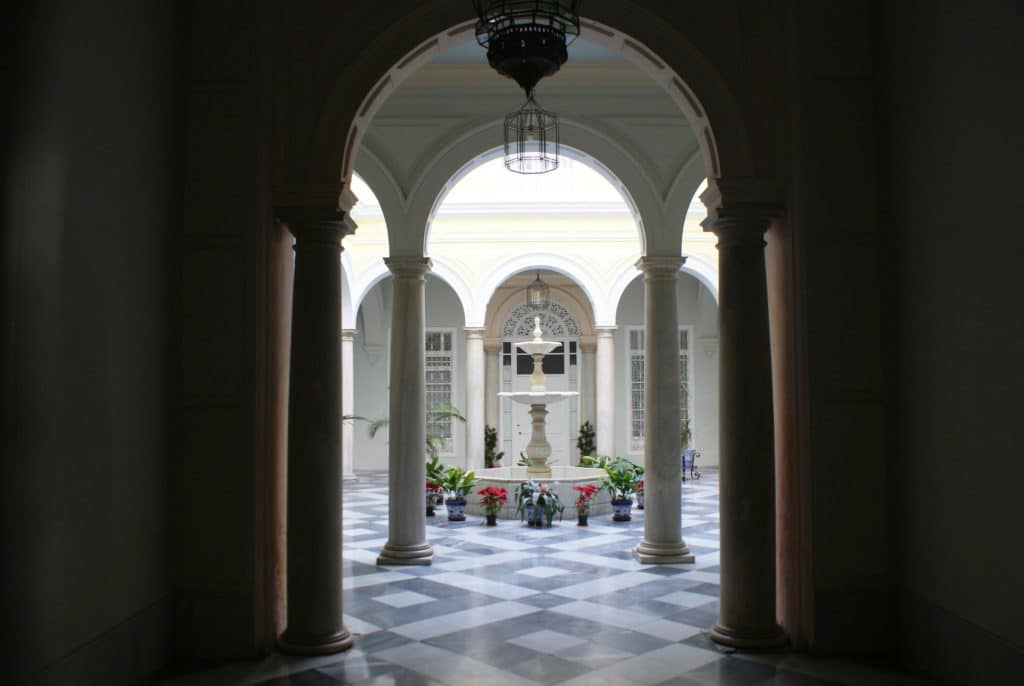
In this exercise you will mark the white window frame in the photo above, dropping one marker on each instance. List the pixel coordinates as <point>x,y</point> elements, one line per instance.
<point>450,443</point>
<point>635,444</point>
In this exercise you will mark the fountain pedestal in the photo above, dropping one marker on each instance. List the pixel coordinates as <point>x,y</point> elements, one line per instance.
<point>538,449</point>
<point>538,398</point>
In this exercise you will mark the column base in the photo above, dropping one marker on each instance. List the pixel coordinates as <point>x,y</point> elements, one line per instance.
<point>299,643</point>
<point>769,638</point>
<point>662,553</point>
<point>406,554</point>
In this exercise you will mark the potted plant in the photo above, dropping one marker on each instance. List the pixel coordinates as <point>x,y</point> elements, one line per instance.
<point>640,495</point>
<point>491,458</point>
<point>493,499</point>
<point>688,454</point>
<point>457,482</point>
<point>435,491</point>
<point>585,441</point>
<point>537,503</point>
<point>620,480</point>
<point>586,493</point>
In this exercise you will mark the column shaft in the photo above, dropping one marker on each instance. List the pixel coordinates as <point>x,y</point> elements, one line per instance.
<point>492,383</point>
<point>587,386</point>
<point>407,430</point>
<point>663,541</point>
<point>314,507</point>
<point>347,406</point>
<point>747,461</point>
<point>605,383</point>
<point>475,398</point>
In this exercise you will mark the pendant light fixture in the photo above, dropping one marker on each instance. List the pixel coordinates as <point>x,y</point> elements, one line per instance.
<point>527,40</point>
<point>537,293</point>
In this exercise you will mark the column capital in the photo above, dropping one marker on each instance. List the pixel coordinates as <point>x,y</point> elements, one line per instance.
<point>408,267</point>
<point>605,331</point>
<point>348,334</point>
<point>492,345</point>
<point>741,224</point>
<point>660,266</point>
<point>476,332</point>
<point>588,346</point>
<point>316,224</point>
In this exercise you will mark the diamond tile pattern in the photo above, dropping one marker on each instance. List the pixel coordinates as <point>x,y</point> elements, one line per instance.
<point>513,605</point>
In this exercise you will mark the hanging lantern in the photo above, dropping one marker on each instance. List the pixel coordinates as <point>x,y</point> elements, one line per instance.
<point>531,139</point>
<point>527,40</point>
<point>537,293</point>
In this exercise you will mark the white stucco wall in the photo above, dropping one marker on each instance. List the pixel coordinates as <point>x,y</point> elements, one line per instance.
<point>697,310</point>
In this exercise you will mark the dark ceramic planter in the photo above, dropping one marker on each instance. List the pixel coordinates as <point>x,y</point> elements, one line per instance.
<point>622,509</point>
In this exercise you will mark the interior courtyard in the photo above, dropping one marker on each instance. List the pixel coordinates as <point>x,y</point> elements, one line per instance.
<point>238,234</point>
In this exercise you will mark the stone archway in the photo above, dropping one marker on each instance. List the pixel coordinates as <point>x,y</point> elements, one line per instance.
<point>742,207</point>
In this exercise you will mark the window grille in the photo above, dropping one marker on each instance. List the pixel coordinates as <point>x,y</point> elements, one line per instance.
<point>637,378</point>
<point>439,369</point>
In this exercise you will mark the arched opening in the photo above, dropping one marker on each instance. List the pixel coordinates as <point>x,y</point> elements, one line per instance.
<point>412,159</point>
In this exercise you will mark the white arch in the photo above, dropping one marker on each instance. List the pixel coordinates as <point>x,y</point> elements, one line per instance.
<point>348,313</point>
<point>567,150</point>
<point>368,279</point>
<point>697,267</point>
<point>463,292</point>
<point>603,316</point>
<point>703,271</point>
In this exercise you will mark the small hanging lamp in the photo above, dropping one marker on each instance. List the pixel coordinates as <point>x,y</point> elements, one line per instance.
<point>531,139</point>
<point>537,293</point>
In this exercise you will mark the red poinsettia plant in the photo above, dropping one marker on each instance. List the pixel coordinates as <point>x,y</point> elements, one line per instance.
<point>640,485</point>
<point>586,493</point>
<point>492,498</point>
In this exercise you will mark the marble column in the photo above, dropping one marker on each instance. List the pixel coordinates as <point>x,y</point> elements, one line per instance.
<point>587,385</point>
<point>663,533</point>
<point>492,383</point>
<point>407,430</point>
<point>347,406</point>
<point>313,584</point>
<point>605,390</point>
<point>747,616</point>
<point>475,373</point>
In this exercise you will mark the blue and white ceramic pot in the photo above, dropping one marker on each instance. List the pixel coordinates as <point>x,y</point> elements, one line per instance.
<point>456,509</point>
<point>621,510</point>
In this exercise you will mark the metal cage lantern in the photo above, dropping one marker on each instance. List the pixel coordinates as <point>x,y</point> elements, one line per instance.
<point>537,293</point>
<point>531,139</point>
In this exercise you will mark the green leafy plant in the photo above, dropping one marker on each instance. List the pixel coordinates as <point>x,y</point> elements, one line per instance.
<point>621,478</point>
<point>591,461</point>
<point>491,458</point>
<point>524,460</point>
<point>585,441</point>
<point>684,434</point>
<point>540,501</point>
<point>434,442</point>
<point>457,482</point>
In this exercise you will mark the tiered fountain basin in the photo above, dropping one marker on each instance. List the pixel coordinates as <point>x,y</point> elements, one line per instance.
<point>562,480</point>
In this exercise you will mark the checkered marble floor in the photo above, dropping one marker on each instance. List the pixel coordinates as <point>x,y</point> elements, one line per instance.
<point>521,606</point>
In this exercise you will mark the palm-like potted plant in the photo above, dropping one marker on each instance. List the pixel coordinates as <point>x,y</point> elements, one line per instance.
<point>491,458</point>
<point>457,482</point>
<point>493,499</point>
<point>620,480</point>
<point>585,441</point>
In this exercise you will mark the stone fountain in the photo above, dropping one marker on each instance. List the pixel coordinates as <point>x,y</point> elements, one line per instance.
<point>560,478</point>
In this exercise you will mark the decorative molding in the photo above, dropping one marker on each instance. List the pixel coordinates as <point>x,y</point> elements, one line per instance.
<point>555,320</point>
